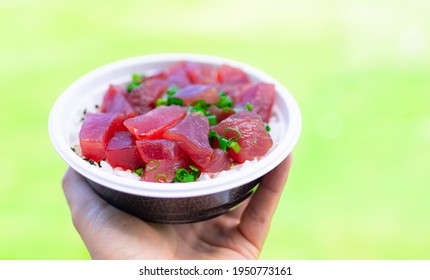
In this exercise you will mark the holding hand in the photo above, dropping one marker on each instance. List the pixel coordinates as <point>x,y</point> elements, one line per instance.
<point>109,233</point>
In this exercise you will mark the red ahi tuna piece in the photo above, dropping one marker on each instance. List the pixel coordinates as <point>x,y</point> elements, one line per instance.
<point>231,75</point>
<point>142,98</point>
<point>153,124</point>
<point>192,136</point>
<point>220,160</point>
<point>201,73</point>
<point>114,101</point>
<point>159,149</point>
<point>192,93</point>
<point>121,151</point>
<point>234,91</point>
<point>160,75</point>
<point>164,170</point>
<point>261,96</point>
<point>96,131</point>
<point>220,114</point>
<point>255,141</point>
<point>177,75</point>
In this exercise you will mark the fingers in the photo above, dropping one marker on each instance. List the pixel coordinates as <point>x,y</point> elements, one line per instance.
<point>83,202</point>
<point>94,219</point>
<point>258,214</point>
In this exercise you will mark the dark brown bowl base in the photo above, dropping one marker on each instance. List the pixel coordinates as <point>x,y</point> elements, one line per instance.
<point>176,210</point>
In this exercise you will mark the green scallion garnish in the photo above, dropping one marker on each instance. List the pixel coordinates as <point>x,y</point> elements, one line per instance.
<point>161,178</point>
<point>225,102</point>
<point>212,120</point>
<point>136,77</point>
<point>248,106</point>
<point>160,102</point>
<point>267,127</point>
<point>224,143</point>
<point>133,85</point>
<point>182,175</point>
<point>234,146</point>
<point>235,131</point>
<point>175,101</point>
<point>139,171</point>
<point>172,90</point>
<point>152,165</point>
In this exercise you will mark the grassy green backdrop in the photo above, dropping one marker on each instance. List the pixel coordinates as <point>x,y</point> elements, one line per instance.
<point>359,69</point>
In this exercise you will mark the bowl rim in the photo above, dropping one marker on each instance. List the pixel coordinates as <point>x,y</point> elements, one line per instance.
<point>180,190</point>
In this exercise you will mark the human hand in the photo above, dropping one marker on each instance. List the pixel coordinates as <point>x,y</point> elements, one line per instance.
<point>109,233</point>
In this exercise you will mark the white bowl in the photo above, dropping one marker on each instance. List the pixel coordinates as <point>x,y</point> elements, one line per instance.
<point>219,194</point>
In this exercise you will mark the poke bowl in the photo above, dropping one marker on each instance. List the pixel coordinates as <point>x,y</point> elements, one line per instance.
<point>171,196</point>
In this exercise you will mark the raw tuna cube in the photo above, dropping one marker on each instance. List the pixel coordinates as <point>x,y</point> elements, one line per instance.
<point>160,75</point>
<point>96,131</point>
<point>255,141</point>
<point>142,98</point>
<point>220,113</point>
<point>121,151</point>
<point>192,93</point>
<point>164,170</point>
<point>114,101</point>
<point>201,73</point>
<point>234,91</point>
<point>153,124</point>
<point>177,75</point>
<point>192,136</point>
<point>261,96</point>
<point>220,160</point>
<point>159,149</point>
<point>231,75</point>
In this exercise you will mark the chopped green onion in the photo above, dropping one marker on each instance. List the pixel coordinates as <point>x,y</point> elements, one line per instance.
<point>172,90</point>
<point>160,102</point>
<point>212,135</point>
<point>73,149</point>
<point>224,102</point>
<point>200,106</point>
<point>175,101</point>
<point>183,175</point>
<point>198,110</point>
<point>132,85</point>
<point>234,130</point>
<point>136,77</point>
<point>161,178</point>
<point>267,128</point>
<point>248,106</point>
<point>193,168</point>
<point>201,103</point>
<point>235,146</point>
<point>223,143</point>
<point>139,171</point>
<point>152,165</point>
<point>212,119</point>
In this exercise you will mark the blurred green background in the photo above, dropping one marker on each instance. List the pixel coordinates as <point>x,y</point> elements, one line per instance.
<point>359,69</point>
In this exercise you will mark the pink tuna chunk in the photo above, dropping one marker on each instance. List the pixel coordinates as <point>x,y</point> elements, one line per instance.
<point>192,136</point>
<point>255,141</point>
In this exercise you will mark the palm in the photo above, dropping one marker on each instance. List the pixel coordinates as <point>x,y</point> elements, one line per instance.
<point>110,233</point>
<point>218,238</point>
